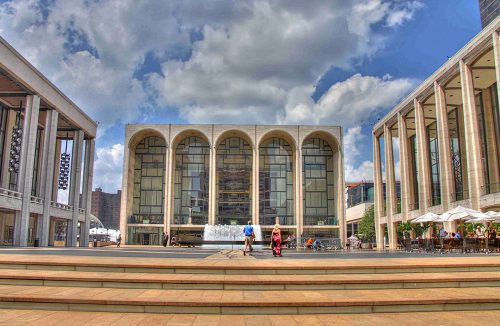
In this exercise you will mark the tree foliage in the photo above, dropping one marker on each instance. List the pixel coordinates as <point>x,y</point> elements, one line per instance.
<point>367,224</point>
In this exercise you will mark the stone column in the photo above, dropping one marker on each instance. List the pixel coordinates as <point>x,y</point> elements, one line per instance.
<point>30,127</point>
<point>424,176</point>
<point>472,137</point>
<point>299,193</point>
<point>378,200</point>
<point>74,188</point>
<point>405,170</point>
<point>88,168</point>
<point>390,185</point>
<point>211,176</point>
<point>127,189</point>
<point>11,120</point>
<point>213,182</point>
<point>445,163</point>
<point>169,189</point>
<point>47,170</point>
<point>255,186</point>
<point>339,159</point>
<point>496,54</point>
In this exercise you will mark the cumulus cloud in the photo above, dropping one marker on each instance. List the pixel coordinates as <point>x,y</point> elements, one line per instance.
<point>108,167</point>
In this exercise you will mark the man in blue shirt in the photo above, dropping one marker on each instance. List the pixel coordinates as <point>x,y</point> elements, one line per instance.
<point>248,231</point>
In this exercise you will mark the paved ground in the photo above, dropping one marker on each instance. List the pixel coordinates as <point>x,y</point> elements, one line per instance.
<point>194,253</point>
<point>38,317</point>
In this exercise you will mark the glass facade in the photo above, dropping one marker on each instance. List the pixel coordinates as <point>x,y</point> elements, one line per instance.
<point>456,153</point>
<point>276,182</point>
<point>432,139</point>
<point>149,182</point>
<point>361,193</point>
<point>414,169</point>
<point>234,181</point>
<point>145,235</point>
<point>4,112</point>
<point>318,185</point>
<point>192,162</point>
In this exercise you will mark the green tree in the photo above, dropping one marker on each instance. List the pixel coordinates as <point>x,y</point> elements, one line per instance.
<point>367,225</point>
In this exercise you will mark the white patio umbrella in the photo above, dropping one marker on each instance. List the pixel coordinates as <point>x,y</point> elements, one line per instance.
<point>461,213</point>
<point>428,217</point>
<point>490,217</point>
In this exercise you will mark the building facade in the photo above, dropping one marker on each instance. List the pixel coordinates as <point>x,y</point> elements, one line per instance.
<point>359,198</point>
<point>106,207</point>
<point>489,10</point>
<point>177,178</point>
<point>46,144</point>
<point>448,131</point>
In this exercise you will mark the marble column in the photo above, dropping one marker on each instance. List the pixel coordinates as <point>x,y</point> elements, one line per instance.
<point>211,189</point>
<point>491,142</point>
<point>27,157</point>
<point>472,137</point>
<point>341,210</point>
<point>390,185</point>
<point>424,175</point>
<point>47,170</point>
<point>445,163</point>
<point>126,201</point>
<point>169,191</point>
<point>496,54</point>
<point>378,200</point>
<point>88,168</point>
<point>255,186</point>
<point>298,188</point>
<point>405,170</point>
<point>74,188</point>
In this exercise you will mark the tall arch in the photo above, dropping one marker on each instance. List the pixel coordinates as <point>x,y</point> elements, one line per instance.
<point>191,180</point>
<point>147,161</point>
<point>322,185</point>
<point>234,180</point>
<point>276,182</point>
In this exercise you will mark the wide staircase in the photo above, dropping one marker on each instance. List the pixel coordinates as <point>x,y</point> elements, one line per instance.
<point>249,286</point>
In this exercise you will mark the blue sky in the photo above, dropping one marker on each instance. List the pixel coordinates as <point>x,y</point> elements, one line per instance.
<point>265,61</point>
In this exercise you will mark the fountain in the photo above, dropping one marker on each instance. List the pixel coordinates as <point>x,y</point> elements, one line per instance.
<point>228,233</point>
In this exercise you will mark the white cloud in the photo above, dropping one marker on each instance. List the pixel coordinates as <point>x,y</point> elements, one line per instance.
<point>350,102</point>
<point>108,168</point>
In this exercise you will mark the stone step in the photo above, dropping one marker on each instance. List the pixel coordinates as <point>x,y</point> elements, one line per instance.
<point>252,267</point>
<point>248,302</point>
<point>52,317</point>
<point>249,282</point>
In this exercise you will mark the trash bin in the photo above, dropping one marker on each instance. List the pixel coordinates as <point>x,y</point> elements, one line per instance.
<point>37,242</point>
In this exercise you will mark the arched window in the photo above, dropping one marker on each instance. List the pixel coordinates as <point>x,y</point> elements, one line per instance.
<point>192,161</point>
<point>319,199</point>
<point>149,181</point>
<point>234,181</point>
<point>276,182</point>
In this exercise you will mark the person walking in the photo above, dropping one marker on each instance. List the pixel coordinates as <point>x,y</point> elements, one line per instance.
<point>276,241</point>
<point>118,241</point>
<point>249,234</point>
<point>165,239</point>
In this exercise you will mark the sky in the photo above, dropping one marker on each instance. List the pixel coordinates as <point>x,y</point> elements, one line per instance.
<point>338,62</point>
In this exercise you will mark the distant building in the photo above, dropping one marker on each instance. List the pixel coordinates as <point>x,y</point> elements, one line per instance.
<point>106,207</point>
<point>489,10</point>
<point>359,198</point>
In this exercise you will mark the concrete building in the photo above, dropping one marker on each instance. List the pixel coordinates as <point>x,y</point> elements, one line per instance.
<point>38,126</point>
<point>448,131</point>
<point>106,207</point>
<point>177,178</point>
<point>359,197</point>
